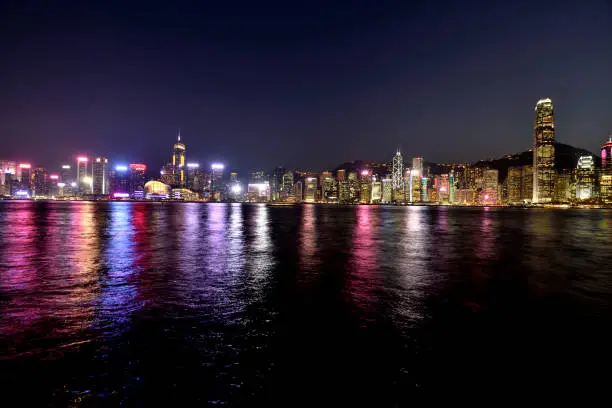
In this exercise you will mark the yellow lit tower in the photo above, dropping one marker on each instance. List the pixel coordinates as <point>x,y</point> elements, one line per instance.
<point>543,152</point>
<point>178,161</point>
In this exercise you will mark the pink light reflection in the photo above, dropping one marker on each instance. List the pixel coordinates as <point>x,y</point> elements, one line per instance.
<point>363,274</point>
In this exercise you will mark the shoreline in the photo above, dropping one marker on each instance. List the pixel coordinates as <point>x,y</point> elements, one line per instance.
<point>271,204</point>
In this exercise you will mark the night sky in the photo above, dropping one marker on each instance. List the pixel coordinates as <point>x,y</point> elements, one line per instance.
<point>258,84</point>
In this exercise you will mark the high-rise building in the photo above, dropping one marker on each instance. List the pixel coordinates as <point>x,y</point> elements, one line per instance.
<point>341,175</point>
<point>329,190</point>
<point>310,191</point>
<point>100,176</point>
<point>397,174</point>
<point>287,186</point>
<point>513,182</point>
<point>417,163</point>
<point>563,186</point>
<point>298,189</point>
<point>365,186</point>
<point>120,183</point>
<point>52,185</point>
<point>377,192</point>
<point>66,175</point>
<point>353,188</point>
<point>25,182</point>
<point>414,188</point>
<point>606,154</point>
<point>41,188</point>
<point>586,179</point>
<point>441,188</point>
<point>83,179</point>
<point>387,190</point>
<point>490,186</point>
<point>137,179</point>
<point>178,162</point>
<point>7,167</point>
<point>276,181</point>
<point>543,152</point>
<point>196,178</point>
<point>605,178</point>
<point>216,175</point>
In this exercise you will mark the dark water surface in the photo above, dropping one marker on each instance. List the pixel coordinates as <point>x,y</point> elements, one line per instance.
<point>189,304</point>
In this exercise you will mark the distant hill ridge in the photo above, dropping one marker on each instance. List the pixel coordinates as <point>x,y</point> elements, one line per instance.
<point>566,158</point>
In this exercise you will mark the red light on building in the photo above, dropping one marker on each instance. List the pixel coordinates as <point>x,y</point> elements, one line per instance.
<point>54,177</point>
<point>138,167</point>
<point>25,166</point>
<point>82,159</point>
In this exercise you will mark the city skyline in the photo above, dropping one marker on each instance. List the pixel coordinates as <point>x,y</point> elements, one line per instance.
<point>295,85</point>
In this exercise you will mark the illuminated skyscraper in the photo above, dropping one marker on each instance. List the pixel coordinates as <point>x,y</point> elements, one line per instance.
<point>387,190</point>
<point>442,188</point>
<point>397,175</point>
<point>83,179</point>
<point>66,175</point>
<point>120,181</point>
<point>376,196</point>
<point>329,191</point>
<point>276,180</point>
<point>606,154</point>
<point>196,178</point>
<point>310,193</point>
<point>216,174</point>
<point>543,152</point>
<point>520,184</point>
<point>365,187</point>
<point>178,161</point>
<point>287,186</point>
<point>490,186</point>
<point>137,179</point>
<point>605,182</point>
<point>298,189</point>
<point>417,163</point>
<point>563,186</point>
<point>7,167</point>
<point>341,175</point>
<point>100,176</point>
<point>40,182</point>
<point>25,182</point>
<point>585,178</point>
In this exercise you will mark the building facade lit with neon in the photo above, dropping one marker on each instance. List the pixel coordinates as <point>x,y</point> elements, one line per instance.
<point>605,182</point>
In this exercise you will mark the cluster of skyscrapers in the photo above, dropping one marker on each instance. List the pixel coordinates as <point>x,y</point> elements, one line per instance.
<point>360,182</point>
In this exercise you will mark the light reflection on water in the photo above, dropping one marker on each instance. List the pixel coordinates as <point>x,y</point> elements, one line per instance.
<point>225,293</point>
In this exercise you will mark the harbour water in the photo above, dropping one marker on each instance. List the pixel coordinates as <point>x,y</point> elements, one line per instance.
<point>194,304</point>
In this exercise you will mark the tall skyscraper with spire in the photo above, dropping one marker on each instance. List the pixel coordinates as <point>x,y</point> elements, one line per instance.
<point>178,161</point>
<point>397,177</point>
<point>543,152</point>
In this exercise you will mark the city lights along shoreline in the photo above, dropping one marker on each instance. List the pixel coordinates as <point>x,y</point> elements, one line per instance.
<point>586,181</point>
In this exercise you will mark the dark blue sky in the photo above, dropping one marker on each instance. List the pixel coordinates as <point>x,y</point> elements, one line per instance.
<point>304,84</point>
